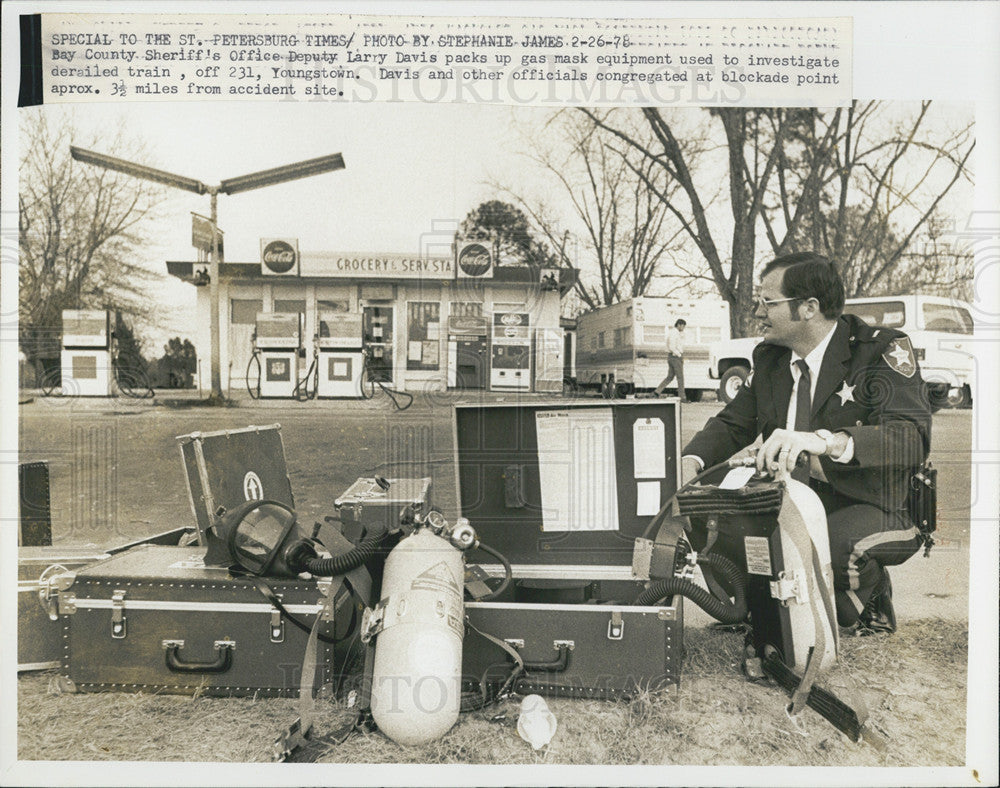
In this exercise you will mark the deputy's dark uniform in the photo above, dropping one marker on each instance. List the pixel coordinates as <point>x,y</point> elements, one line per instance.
<point>869,386</point>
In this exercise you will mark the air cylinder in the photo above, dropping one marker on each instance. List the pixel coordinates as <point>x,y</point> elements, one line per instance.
<point>416,681</point>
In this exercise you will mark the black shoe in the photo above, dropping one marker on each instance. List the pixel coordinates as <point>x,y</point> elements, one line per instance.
<point>878,615</point>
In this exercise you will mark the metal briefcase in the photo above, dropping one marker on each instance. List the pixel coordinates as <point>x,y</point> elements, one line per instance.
<point>568,611</point>
<point>156,619</point>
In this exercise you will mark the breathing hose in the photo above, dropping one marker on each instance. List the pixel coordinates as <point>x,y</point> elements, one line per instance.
<point>727,613</point>
<point>325,567</point>
<point>507,572</point>
<point>345,562</point>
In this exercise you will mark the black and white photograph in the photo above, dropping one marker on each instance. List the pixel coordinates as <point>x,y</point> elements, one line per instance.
<point>485,441</point>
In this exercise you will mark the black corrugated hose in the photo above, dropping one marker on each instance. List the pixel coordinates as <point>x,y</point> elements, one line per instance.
<point>732,579</point>
<point>507,572</point>
<point>254,393</point>
<point>345,562</point>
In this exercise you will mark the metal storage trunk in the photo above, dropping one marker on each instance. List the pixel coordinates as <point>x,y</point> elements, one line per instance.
<point>228,467</point>
<point>39,635</point>
<point>156,619</point>
<point>562,489</point>
<point>365,507</point>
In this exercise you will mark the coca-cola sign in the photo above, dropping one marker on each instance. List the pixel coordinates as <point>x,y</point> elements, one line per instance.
<point>474,260</point>
<point>278,256</point>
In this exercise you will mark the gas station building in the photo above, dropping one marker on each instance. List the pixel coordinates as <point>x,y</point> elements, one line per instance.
<point>423,322</point>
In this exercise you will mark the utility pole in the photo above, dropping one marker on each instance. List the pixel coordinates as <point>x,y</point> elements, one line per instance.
<point>213,297</point>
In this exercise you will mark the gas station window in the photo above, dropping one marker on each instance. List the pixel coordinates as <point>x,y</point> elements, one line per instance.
<point>289,306</point>
<point>243,311</point>
<point>333,305</point>
<point>466,309</point>
<point>423,335</point>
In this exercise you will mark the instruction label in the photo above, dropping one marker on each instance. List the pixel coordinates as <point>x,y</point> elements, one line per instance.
<point>576,466</point>
<point>649,441</point>
<point>758,555</point>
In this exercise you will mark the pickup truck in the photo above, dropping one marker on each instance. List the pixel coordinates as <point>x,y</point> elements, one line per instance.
<point>939,328</point>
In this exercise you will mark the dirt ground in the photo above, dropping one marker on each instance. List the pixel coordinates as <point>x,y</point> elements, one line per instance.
<point>117,474</point>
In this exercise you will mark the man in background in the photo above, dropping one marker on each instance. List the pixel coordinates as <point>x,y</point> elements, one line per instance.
<point>675,360</point>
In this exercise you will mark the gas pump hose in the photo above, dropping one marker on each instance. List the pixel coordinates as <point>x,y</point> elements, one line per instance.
<point>301,391</point>
<point>255,356</point>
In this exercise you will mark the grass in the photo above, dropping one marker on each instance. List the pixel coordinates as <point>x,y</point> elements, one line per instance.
<point>913,683</point>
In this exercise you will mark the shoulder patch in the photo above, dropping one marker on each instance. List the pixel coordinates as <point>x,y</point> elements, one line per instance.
<point>899,356</point>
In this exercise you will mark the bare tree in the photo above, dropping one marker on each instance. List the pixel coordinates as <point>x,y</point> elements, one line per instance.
<point>876,196</point>
<point>940,264</point>
<point>627,235</point>
<point>80,233</point>
<point>849,182</point>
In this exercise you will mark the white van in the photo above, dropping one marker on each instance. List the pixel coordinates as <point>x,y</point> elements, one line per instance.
<point>939,328</point>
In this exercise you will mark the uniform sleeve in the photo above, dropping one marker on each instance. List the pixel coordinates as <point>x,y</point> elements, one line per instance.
<point>734,428</point>
<point>897,432</point>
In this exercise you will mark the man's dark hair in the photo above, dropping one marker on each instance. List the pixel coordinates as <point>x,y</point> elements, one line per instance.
<point>809,275</point>
<point>680,322</point>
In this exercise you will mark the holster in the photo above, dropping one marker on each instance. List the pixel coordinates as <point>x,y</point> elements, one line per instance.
<point>921,504</point>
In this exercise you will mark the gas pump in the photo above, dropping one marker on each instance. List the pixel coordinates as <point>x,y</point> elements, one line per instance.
<point>467,351</point>
<point>511,356</point>
<point>276,345</point>
<point>86,362</point>
<point>341,358</point>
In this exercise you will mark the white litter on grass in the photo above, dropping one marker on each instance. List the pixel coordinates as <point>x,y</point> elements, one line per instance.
<point>536,724</point>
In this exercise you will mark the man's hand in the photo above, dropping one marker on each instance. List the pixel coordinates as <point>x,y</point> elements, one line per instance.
<point>783,447</point>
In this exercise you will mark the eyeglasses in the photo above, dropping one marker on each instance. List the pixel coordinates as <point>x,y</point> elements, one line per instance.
<point>766,303</point>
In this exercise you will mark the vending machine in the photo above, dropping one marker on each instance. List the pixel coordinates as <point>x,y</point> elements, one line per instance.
<point>277,341</point>
<point>377,335</point>
<point>467,344</point>
<point>341,358</point>
<point>511,356</point>
<point>86,362</point>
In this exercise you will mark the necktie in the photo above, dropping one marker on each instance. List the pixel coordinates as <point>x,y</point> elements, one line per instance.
<point>803,406</point>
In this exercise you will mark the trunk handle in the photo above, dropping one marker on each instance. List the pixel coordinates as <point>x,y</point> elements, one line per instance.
<point>222,663</point>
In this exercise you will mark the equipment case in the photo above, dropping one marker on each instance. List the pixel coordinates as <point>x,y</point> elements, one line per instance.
<point>568,610</point>
<point>228,467</point>
<point>39,634</point>
<point>156,619</point>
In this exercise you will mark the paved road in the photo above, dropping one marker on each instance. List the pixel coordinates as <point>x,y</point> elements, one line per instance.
<point>117,473</point>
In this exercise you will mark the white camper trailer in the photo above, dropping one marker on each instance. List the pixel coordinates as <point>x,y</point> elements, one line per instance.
<point>622,348</point>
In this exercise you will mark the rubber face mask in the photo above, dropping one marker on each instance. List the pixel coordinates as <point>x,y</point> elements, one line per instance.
<point>262,536</point>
